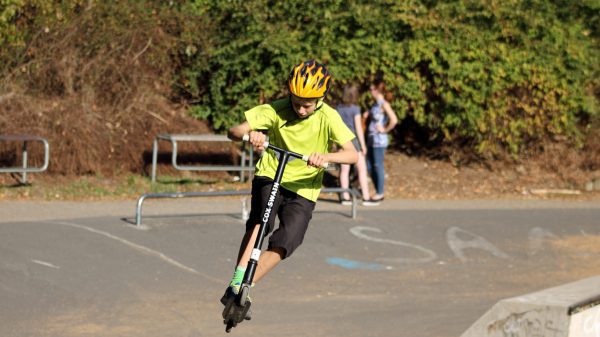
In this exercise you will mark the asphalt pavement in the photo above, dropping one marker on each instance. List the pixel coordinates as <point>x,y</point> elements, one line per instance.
<point>407,268</point>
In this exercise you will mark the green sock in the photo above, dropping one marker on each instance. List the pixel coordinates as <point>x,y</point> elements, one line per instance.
<point>238,276</point>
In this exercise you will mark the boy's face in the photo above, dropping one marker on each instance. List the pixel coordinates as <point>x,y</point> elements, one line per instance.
<point>304,107</point>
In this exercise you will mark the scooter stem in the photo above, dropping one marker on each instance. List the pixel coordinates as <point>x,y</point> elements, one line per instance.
<point>267,215</point>
<point>284,157</point>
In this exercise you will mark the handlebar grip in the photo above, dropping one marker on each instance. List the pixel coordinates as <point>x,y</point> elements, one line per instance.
<point>325,165</point>
<point>246,137</point>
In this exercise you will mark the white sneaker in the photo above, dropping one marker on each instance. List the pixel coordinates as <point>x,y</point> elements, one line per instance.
<point>346,202</point>
<point>371,202</point>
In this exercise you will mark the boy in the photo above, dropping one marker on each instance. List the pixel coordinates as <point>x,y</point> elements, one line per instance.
<point>302,123</point>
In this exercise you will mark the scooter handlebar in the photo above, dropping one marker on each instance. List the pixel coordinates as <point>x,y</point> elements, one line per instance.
<point>246,138</point>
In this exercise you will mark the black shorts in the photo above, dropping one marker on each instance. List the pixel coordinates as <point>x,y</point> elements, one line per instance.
<point>294,213</point>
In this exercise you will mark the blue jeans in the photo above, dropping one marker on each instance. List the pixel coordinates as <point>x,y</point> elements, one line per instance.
<point>375,166</point>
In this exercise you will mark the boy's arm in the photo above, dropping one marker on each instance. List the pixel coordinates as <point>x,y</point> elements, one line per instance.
<point>237,132</point>
<point>257,139</point>
<point>347,155</point>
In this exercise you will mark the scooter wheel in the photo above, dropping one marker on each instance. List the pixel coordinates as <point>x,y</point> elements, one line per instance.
<point>244,295</point>
<point>230,324</point>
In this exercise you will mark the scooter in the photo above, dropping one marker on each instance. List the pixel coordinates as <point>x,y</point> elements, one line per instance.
<point>237,307</point>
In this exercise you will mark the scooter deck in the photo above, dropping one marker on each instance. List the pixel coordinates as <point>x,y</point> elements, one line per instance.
<point>234,313</point>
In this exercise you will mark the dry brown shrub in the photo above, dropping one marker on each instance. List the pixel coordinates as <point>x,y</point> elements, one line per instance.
<point>98,90</point>
<point>591,150</point>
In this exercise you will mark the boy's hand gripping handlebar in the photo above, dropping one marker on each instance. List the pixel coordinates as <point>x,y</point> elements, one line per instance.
<point>267,145</point>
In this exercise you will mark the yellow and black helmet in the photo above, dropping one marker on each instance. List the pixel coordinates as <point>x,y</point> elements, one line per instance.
<point>309,79</point>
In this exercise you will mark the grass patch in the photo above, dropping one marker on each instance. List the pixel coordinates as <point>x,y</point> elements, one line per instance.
<point>98,187</point>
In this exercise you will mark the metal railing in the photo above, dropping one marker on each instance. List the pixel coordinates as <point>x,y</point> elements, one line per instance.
<point>24,168</point>
<point>142,198</point>
<point>175,138</point>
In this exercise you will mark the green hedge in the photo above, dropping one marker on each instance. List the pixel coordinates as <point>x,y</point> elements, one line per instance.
<point>498,75</point>
<point>495,75</point>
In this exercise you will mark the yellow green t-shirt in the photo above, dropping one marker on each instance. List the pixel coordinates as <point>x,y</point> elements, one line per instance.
<point>301,135</point>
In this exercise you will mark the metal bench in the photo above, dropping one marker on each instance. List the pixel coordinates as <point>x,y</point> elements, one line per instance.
<point>24,168</point>
<point>175,138</point>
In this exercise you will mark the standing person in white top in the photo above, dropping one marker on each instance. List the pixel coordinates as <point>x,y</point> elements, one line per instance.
<point>350,113</point>
<point>382,120</point>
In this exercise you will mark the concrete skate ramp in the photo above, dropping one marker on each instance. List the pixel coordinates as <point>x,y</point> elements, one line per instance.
<point>570,310</point>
